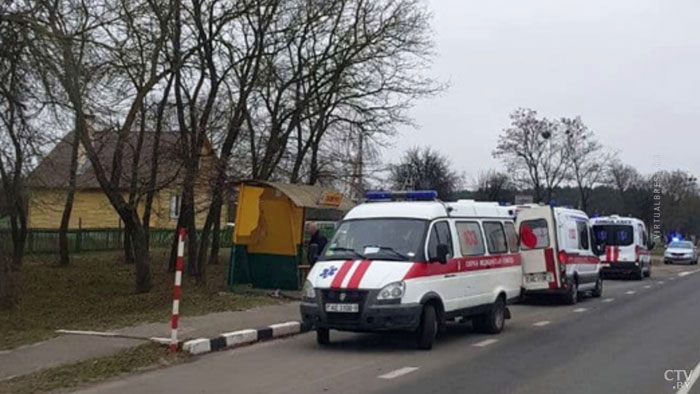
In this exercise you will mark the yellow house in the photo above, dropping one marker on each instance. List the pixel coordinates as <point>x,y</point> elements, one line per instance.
<point>48,183</point>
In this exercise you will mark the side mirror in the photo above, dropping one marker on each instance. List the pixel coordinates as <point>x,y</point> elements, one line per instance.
<point>443,253</point>
<point>598,249</point>
<point>312,256</point>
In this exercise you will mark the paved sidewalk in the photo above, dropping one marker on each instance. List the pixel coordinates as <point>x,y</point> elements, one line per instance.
<point>66,349</point>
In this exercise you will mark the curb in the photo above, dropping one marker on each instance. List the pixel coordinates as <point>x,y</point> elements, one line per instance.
<point>243,337</point>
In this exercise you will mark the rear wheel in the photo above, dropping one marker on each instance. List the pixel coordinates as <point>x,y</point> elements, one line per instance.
<point>323,336</point>
<point>428,328</point>
<point>639,275</point>
<point>571,296</point>
<point>493,321</point>
<point>648,273</point>
<point>598,290</point>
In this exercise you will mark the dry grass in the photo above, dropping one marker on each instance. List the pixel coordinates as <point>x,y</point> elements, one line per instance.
<point>97,292</point>
<point>86,372</point>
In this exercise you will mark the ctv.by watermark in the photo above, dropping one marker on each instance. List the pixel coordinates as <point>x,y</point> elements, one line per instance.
<point>681,378</point>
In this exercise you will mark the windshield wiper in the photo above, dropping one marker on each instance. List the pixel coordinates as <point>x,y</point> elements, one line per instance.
<point>389,249</point>
<point>352,251</point>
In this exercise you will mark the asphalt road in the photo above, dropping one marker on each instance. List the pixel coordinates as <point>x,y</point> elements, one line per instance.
<point>640,337</point>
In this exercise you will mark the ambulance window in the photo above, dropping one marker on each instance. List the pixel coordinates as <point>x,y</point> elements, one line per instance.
<point>439,234</point>
<point>495,237</point>
<point>534,234</point>
<point>511,237</point>
<point>582,228</point>
<point>470,240</point>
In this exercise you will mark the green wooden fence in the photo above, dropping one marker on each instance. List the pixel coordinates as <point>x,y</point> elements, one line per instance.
<point>91,240</point>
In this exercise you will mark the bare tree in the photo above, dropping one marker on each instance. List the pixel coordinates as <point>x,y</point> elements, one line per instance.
<point>522,149</point>
<point>75,43</point>
<point>494,186</point>
<point>425,169</point>
<point>586,158</point>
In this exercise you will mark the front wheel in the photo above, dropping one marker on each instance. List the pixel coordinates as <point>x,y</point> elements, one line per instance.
<point>323,336</point>
<point>598,291</point>
<point>428,328</point>
<point>493,321</point>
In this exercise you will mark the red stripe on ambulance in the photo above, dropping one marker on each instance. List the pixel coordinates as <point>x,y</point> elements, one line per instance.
<point>551,267</point>
<point>462,264</point>
<point>358,274</point>
<point>340,276</point>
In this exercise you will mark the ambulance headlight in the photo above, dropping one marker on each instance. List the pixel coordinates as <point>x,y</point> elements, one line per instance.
<point>392,291</point>
<point>308,290</point>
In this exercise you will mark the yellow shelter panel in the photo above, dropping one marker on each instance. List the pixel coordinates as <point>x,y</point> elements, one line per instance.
<point>281,227</point>
<point>247,213</point>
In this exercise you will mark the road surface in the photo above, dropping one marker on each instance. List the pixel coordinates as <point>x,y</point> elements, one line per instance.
<point>640,337</point>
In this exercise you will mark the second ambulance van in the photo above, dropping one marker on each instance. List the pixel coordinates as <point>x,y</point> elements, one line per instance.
<point>413,265</point>
<point>558,254</point>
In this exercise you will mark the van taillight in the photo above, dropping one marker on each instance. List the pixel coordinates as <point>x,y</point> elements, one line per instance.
<point>562,257</point>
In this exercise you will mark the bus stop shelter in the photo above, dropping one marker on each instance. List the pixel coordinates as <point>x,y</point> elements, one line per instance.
<point>268,237</point>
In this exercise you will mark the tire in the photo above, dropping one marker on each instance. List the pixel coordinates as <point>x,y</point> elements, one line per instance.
<point>640,274</point>
<point>571,296</point>
<point>323,336</point>
<point>648,273</point>
<point>493,321</point>
<point>598,290</point>
<point>666,262</point>
<point>428,328</point>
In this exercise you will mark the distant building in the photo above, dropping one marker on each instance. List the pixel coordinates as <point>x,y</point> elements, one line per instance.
<point>48,183</point>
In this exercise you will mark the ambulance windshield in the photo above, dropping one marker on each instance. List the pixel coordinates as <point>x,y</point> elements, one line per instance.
<point>381,239</point>
<point>614,234</point>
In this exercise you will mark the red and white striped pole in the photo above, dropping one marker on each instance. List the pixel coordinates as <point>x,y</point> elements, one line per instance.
<point>182,232</point>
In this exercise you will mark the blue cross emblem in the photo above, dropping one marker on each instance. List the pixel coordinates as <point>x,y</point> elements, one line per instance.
<point>328,272</point>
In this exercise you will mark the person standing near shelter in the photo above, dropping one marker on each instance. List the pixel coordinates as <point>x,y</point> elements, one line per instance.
<point>316,238</point>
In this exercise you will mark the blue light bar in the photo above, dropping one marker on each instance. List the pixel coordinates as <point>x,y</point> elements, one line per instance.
<point>416,195</point>
<point>675,239</point>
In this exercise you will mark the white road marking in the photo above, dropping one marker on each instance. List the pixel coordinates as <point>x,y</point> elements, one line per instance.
<point>647,287</point>
<point>688,384</point>
<point>397,373</point>
<point>579,310</point>
<point>609,300</point>
<point>686,273</point>
<point>671,278</point>
<point>630,292</point>
<point>660,282</point>
<point>485,343</point>
<point>541,323</point>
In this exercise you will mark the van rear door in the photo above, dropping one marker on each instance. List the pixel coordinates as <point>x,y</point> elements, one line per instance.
<point>537,245</point>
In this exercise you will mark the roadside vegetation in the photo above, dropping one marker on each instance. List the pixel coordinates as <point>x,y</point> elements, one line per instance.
<point>147,356</point>
<point>96,292</point>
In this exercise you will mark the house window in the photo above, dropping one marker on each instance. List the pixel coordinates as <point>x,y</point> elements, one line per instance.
<point>175,203</point>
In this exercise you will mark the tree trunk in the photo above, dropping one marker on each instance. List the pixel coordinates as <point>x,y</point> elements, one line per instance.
<point>64,254</point>
<point>141,260</point>
<point>8,297</point>
<point>216,240</point>
<point>129,253</point>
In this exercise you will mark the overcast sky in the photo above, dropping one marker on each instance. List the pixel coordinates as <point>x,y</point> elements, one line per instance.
<point>629,68</point>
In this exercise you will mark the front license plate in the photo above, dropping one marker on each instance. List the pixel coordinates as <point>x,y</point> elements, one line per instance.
<point>344,308</point>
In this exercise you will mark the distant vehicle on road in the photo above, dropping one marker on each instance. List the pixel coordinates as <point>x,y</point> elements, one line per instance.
<point>413,265</point>
<point>559,257</point>
<point>627,246</point>
<point>681,252</point>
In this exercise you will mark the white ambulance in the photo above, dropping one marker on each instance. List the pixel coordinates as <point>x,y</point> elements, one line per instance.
<point>413,265</point>
<point>558,256</point>
<point>626,243</point>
